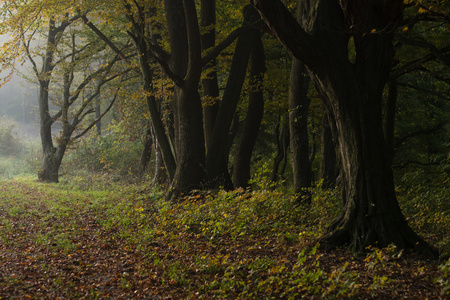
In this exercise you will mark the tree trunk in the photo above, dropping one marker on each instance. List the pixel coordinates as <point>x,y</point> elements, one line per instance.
<point>255,112</point>
<point>146,153</point>
<point>216,149</point>
<point>298,127</point>
<point>160,173</point>
<point>328,164</point>
<point>353,95</point>
<point>391,105</point>
<point>147,85</point>
<point>186,63</point>
<point>51,163</point>
<point>209,83</point>
<point>282,141</point>
<point>98,112</point>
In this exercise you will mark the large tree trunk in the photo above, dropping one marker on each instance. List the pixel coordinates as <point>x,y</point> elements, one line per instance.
<point>186,62</point>
<point>391,104</point>
<point>353,95</point>
<point>298,128</point>
<point>329,170</point>
<point>51,163</point>
<point>255,112</point>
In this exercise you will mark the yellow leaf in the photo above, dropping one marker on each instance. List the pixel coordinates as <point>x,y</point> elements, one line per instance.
<point>405,29</point>
<point>422,10</point>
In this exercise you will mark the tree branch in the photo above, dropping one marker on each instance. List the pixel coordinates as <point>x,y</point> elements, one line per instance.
<point>103,37</point>
<point>432,129</point>
<point>415,87</point>
<point>96,120</point>
<point>423,44</point>
<point>224,44</point>
<point>416,64</point>
<point>286,28</point>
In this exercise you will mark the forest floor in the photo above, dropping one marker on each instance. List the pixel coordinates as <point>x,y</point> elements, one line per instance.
<point>74,240</point>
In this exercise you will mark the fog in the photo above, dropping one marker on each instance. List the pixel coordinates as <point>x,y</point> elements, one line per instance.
<point>18,102</point>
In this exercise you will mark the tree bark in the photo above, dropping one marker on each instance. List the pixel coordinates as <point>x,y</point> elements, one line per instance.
<point>209,84</point>
<point>187,64</point>
<point>298,128</point>
<point>391,105</point>
<point>160,173</point>
<point>146,152</point>
<point>328,163</point>
<point>353,95</point>
<point>255,112</point>
<point>282,141</point>
<point>216,149</point>
<point>145,55</point>
<point>51,158</point>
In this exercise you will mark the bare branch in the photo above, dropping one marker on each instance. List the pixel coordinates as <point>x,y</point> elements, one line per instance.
<point>432,129</point>
<point>103,37</point>
<point>96,120</point>
<point>423,44</point>
<point>224,44</point>
<point>416,64</point>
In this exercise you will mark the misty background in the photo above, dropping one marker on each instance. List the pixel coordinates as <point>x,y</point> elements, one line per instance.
<point>18,103</point>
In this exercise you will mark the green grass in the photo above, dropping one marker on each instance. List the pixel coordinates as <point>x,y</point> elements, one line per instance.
<point>93,238</point>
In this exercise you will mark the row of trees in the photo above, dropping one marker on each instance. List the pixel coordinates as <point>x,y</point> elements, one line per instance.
<point>193,73</point>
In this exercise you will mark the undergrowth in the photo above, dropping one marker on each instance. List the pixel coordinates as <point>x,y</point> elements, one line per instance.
<point>90,237</point>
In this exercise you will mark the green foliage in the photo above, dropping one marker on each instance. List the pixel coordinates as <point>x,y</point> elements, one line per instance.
<point>10,145</point>
<point>424,201</point>
<point>238,245</point>
<point>261,179</point>
<point>114,152</point>
<point>17,156</point>
<point>444,279</point>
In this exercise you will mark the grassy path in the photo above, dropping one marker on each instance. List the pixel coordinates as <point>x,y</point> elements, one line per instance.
<point>61,242</point>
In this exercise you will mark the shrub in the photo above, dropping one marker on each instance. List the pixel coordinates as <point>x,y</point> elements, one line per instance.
<point>10,144</point>
<point>113,153</point>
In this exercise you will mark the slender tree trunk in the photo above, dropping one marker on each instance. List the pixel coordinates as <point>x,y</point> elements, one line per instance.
<point>282,141</point>
<point>155,117</point>
<point>98,112</point>
<point>255,112</point>
<point>216,149</point>
<point>160,173</point>
<point>298,127</point>
<point>146,153</point>
<point>209,83</point>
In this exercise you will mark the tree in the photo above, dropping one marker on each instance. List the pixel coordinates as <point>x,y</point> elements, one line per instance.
<point>218,150</point>
<point>255,112</point>
<point>352,93</point>
<point>65,57</point>
<point>298,128</point>
<point>191,166</point>
<point>417,101</point>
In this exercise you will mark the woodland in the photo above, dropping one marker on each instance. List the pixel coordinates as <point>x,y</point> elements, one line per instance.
<point>199,149</point>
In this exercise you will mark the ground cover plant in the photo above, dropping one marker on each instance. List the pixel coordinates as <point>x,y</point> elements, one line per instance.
<point>93,238</point>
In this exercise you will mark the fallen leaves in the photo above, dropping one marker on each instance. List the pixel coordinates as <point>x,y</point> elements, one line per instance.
<point>69,245</point>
